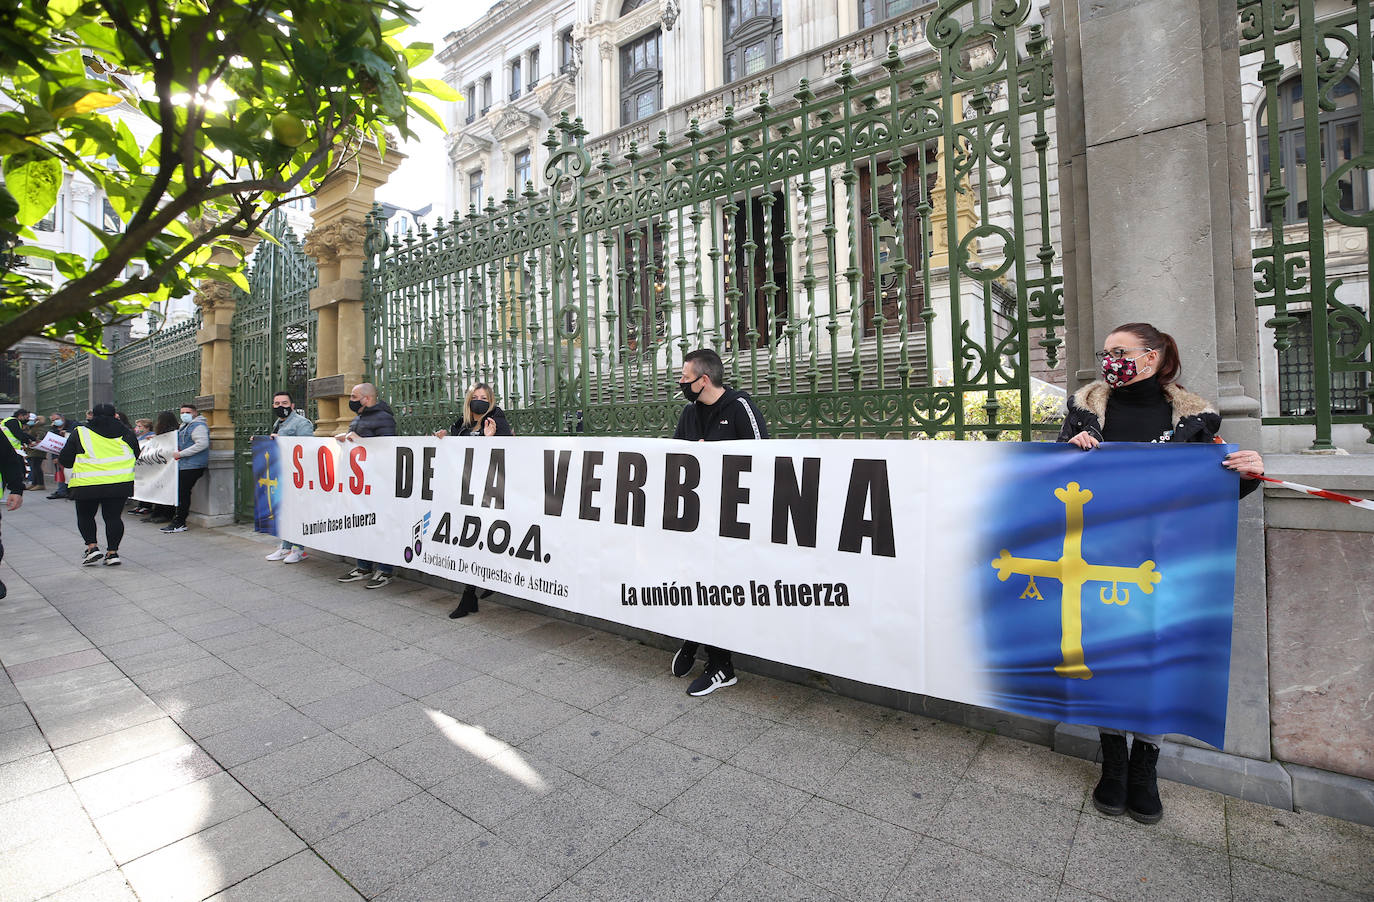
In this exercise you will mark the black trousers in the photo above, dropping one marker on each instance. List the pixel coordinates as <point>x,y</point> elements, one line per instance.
<point>111,510</point>
<point>186,480</point>
<point>36,472</point>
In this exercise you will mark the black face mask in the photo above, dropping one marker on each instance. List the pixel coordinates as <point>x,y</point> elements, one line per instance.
<point>355,406</point>
<point>282,412</point>
<point>688,392</point>
<point>478,406</point>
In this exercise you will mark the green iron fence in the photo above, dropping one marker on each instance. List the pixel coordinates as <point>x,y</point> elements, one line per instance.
<point>273,337</point>
<point>1317,109</point>
<point>159,372</point>
<point>65,387</point>
<point>870,258</point>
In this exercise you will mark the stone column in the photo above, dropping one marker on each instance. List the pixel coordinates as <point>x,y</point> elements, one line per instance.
<point>1155,217</point>
<point>32,355</point>
<point>336,243</point>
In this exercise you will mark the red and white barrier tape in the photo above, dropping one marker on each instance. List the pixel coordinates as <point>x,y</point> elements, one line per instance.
<point>1365,503</point>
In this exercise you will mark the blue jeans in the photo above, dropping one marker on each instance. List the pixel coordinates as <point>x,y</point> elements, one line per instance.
<point>368,565</point>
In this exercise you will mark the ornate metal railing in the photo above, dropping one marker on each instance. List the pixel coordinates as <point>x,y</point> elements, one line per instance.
<point>867,257</point>
<point>1315,133</point>
<point>157,373</point>
<point>65,387</point>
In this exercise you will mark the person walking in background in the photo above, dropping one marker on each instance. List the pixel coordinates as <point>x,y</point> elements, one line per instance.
<point>1139,399</point>
<point>373,419</point>
<point>12,478</point>
<point>101,456</point>
<point>289,422</point>
<point>38,428</point>
<point>716,413</point>
<point>58,425</point>
<point>480,417</point>
<point>192,457</point>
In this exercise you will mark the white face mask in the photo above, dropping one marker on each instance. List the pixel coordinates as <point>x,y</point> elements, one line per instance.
<point>186,418</point>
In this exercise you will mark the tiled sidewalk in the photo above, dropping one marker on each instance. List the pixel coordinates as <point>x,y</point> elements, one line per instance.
<point>201,723</point>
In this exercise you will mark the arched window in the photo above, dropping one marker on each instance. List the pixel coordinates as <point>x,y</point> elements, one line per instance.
<point>641,77</point>
<point>1338,142</point>
<point>753,36</point>
<point>630,6</point>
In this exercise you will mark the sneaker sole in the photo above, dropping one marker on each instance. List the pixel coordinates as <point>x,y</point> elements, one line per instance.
<point>379,585</point>
<point>713,687</point>
<point>112,563</point>
<point>91,563</point>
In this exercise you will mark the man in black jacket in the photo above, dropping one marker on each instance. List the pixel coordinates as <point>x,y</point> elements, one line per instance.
<point>717,414</point>
<point>373,418</point>
<point>12,474</point>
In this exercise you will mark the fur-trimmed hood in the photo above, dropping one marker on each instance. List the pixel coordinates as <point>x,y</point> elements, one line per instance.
<point>1093,398</point>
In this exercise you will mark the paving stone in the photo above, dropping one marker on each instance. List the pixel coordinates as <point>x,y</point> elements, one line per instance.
<point>758,880</point>
<point>39,815</point>
<point>217,717</point>
<point>1257,883</point>
<point>652,772</point>
<point>662,860</point>
<point>1125,860</point>
<point>397,843</point>
<point>303,876</point>
<point>583,742</point>
<point>14,717</point>
<point>392,728</point>
<point>899,792</point>
<point>804,760</point>
<point>108,791</point>
<point>471,697</point>
<point>28,775</point>
<point>340,800</point>
<point>162,820</point>
<point>417,682</point>
<point>842,850</point>
<point>165,678</point>
<point>56,664</point>
<point>713,729</point>
<point>41,689</point>
<point>1031,834</point>
<point>572,825</point>
<point>839,718</point>
<point>756,695</point>
<point>487,868</point>
<point>525,717</point>
<point>569,892</point>
<point>263,737</point>
<point>53,862</point>
<point>308,688</point>
<point>185,652</point>
<point>937,872</point>
<point>201,865</point>
<point>354,704</point>
<point>920,740</point>
<point>1309,845</point>
<point>225,686</point>
<point>21,743</point>
<point>281,772</point>
<point>493,789</point>
<point>123,747</point>
<point>739,804</point>
<point>1034,770</point>
<point>108,886</point>
<point>647,707</point>
<point>438,756</point>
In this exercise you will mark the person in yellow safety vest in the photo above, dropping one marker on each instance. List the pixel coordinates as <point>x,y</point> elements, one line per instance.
<point>12,478</point>
<point>101,457</point>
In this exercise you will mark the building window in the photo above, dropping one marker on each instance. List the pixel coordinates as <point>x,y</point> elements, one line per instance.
<point>534,68</point>
<point>475,189</point>
<point>522,169</point>
<point>109,221</point>
<point>566,57</point>
<point>486,94</point>
<point>49,222</point>
<point>642,293</point>
<point>1297,370</point>
<point>756,305</point>
<point>871,12</point>
<point>515,84</point>
<point>886,242</point>
<point>641,78</point>
<point>470,92</point>
<point>753,36</point>
<point>630,6</point>
<point>1339,140</point>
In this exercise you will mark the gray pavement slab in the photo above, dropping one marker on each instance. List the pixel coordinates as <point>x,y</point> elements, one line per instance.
<point>298,739</point>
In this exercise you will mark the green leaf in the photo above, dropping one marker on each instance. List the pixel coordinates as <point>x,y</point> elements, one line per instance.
<point>438,89</point>
<point>424,110</point>
<point>34,184</point>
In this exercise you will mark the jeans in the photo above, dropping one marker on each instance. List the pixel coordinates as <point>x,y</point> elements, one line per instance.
<point>368,565</point>
<point>186,480</point>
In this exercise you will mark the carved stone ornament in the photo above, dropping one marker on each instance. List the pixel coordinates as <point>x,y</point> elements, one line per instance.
<point>343,237</point>
<point>512,120</point>
<point>212,294</point>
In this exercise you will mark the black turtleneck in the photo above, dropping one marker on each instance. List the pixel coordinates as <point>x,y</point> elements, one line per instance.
<point>1138,412</point>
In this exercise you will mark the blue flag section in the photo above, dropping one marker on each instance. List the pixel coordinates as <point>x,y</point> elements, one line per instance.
<point>267,488</point>
<point>1107,586</point>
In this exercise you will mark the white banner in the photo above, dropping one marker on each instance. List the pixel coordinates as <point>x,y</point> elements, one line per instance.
<point>155,473</point>
<point>970,571</point>
<point>51,443</point>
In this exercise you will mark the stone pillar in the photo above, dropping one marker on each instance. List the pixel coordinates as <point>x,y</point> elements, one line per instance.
<point>33,354</point>
<point>1155,218</point>
<point>336,243</point>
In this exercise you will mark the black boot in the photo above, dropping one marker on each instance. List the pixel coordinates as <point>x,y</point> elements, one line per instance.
<point>1110,795</point>
<point>1142,791</point>
<point>466,605</point>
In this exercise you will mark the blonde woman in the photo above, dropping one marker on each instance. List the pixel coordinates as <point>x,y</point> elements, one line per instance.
<point>480,416</point>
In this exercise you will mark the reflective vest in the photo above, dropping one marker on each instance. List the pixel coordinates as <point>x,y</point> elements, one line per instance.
<point>102,461</point>
<point>9,431</point>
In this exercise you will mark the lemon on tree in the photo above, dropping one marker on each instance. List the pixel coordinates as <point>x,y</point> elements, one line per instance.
<point>288,129</point>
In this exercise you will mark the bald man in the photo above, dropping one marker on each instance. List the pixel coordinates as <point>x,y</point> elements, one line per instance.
<point>373,418</point>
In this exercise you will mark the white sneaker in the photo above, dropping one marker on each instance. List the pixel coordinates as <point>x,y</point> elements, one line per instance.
<point>296,556</point>
<point>279,554</point>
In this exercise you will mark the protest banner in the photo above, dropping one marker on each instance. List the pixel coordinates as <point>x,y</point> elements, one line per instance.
<point>1034,578</point>
<point>51,443</point>
<point>155,472</point>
